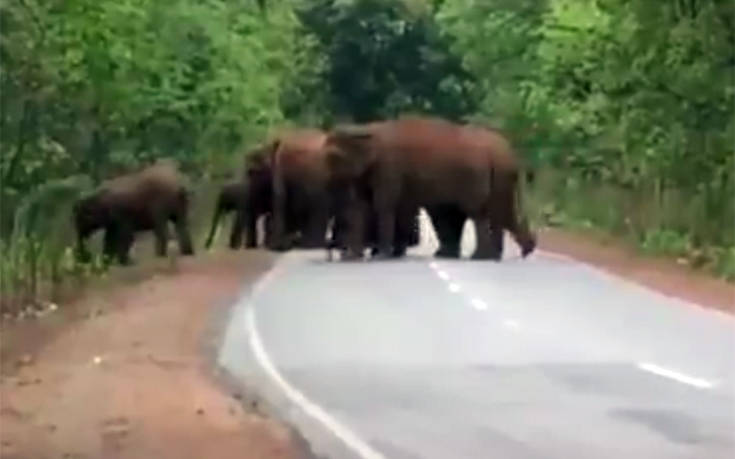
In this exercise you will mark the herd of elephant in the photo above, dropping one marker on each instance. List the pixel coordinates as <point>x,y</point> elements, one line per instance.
<point>352,188</point>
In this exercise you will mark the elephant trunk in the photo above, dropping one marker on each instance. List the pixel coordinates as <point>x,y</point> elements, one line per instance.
<point>215,224</point>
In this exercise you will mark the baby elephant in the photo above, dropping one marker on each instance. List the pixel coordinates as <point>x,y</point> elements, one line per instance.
<point>142,201</point>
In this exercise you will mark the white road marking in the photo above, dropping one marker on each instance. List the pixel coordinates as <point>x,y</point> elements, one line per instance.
<point>434,265</point>
<point>675,375</point>
<point>349,438</point>
<point>478,304</point>
<point>454,287</point>
<point>512,324</point>
<point>443,275</point>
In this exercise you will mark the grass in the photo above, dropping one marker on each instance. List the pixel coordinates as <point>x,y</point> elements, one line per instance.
<point>695,229</point>
<point>37,263</point>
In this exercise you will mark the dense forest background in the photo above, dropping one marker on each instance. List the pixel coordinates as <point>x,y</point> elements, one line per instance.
<point>625,107</point>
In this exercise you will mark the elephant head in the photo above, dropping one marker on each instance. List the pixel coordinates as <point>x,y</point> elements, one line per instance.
<point>349,152</point>
<point>258,161</point>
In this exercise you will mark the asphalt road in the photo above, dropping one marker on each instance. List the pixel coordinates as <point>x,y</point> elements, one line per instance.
<point>537,358</point>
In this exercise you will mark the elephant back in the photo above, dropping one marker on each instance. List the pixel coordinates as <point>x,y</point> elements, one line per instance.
<point>161,180</point>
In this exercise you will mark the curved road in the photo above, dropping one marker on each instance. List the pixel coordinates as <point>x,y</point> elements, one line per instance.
<point>536,358</point>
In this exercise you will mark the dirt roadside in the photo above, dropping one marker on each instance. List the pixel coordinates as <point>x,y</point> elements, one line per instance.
<point>660,274</point>
<point>123,373</point>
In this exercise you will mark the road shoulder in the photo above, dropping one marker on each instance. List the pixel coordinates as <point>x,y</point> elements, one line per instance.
<point>128,373</point>
<point>660,274</point>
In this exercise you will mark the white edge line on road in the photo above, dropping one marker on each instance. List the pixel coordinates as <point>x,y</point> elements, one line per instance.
<point>350,439</point>
<point>675,375</point>
<point>478,303</point>
<point>454,287</point>
<point>443,275</point>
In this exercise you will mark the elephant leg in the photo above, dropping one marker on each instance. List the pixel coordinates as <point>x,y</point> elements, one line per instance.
<point>316,227</point>
<point>484,250</point>
<point>160,231</point>
<point>110,242</point>
<point>448,223</point>
<point>506,205</point>
<point>251,230</point>
<point>281,214</point>
<point>183,236</point>
<point>518,228</point>
<point>405,220</point>
<point>496,240</point>
<point>354,234</point>
<point>238,226</point>
<point>123,241</point>
<point>386,232</point>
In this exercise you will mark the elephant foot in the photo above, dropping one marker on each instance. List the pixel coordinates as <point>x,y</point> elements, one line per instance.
<point>492,255</point>
<point>528,247</point>
<point>447,252</point>
<point>382,256</point>
<point>350,255</point>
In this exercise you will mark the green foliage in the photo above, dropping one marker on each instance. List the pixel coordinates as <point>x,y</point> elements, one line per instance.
<point>637,96</point>
<point>630,103</point>
<point>37,248</point>
<point>101,88</point>
<point>105,86</point>
<point>385,57</point>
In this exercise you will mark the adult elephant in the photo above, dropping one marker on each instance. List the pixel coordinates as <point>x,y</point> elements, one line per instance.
<point>142,201</point>
<point>301,189</point>
<point>424,162</point>
<point>258,199</point>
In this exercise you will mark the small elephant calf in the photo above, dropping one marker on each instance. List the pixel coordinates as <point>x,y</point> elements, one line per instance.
<point>142,201</point>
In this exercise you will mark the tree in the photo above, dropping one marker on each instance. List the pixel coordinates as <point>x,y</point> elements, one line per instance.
<point>385,57</point>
